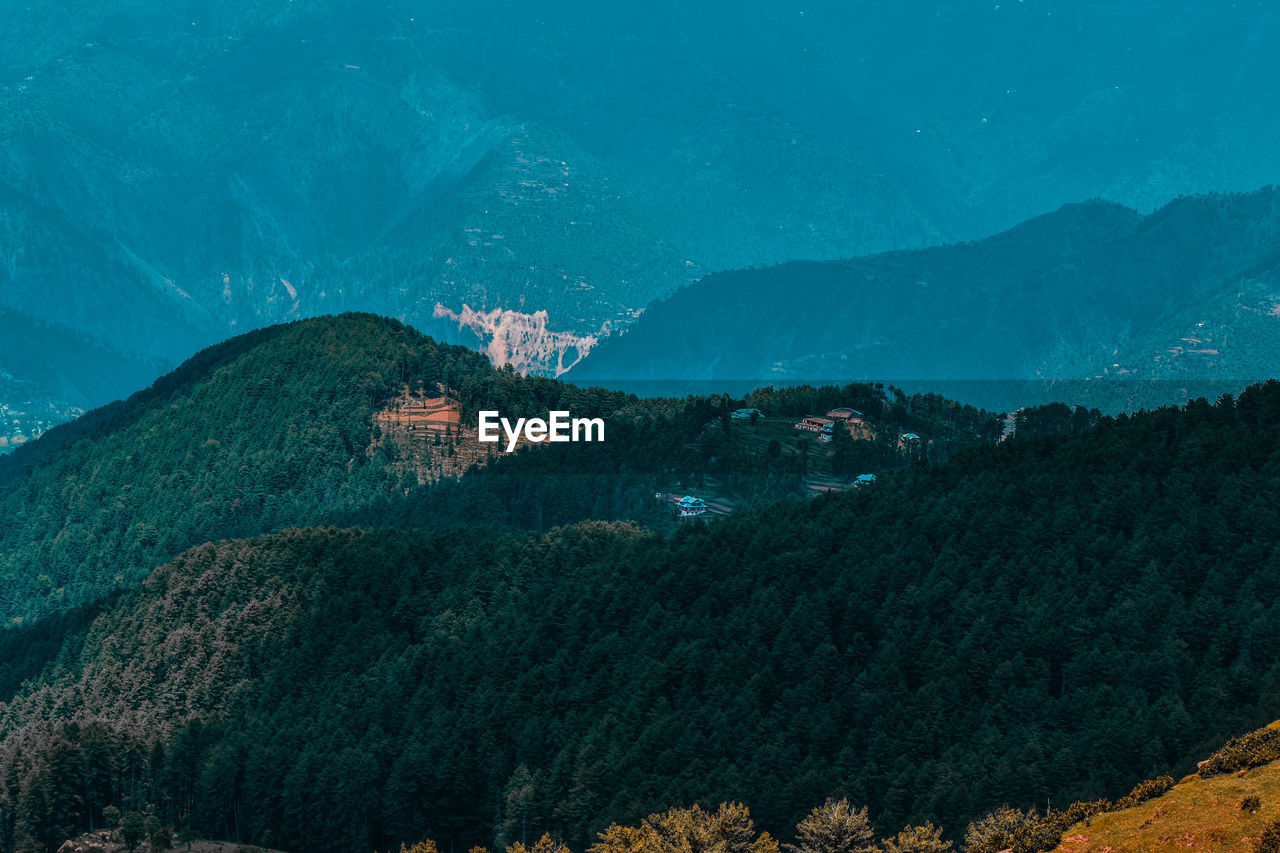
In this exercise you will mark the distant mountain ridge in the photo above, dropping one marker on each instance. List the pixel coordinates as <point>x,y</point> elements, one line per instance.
<point>1093,291</point>
<point>172,175</point>
<point>50,374</point>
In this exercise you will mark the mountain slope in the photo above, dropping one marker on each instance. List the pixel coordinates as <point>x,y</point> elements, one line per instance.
<point>49,374</point>
<point>270,429</point>
<point>214,447</point>
<point>1226,810</point>
<point>172,175</point>
<point>306,162</point>
<point>357,419</point>
<point>1104,602</point>
<point>1088,292</point>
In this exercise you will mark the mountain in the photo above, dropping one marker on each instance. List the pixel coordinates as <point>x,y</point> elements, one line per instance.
<point>50,374</point>
<point>1093,292</point>
<point>1047,617</point>
<point>170,176</point>
<point>357,419</point>
<point>279,427</point>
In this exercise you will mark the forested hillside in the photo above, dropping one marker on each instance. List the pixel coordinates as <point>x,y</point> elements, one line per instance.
<point>271,429</point>
<point>1043,618</point>
<point>276,428</point>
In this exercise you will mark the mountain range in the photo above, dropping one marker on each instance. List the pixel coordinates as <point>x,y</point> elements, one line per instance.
<point>935,351</point>
<point>1093,292</point>
<point>170,176</point>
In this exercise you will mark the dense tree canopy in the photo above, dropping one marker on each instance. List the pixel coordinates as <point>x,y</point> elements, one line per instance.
<point>275,429</point>
<point>1049,617</point>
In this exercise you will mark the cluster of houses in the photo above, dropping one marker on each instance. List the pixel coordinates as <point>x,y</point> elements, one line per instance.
<point>851,420</point>
<point>825,428</point>
<point>841,417</point>
<point>18,427</point>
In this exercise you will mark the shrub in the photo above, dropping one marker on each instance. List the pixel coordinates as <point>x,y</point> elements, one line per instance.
<point>1251,804</point>
<point>1055,824</point>
<point>162,839</point>
<point>1269,840</point>
<point>1243,752</point>
<point>1077,812</point>
<point>997,831</point>
<point>133,828</point>
<point>1028,832</point>
<point>1147,790</point>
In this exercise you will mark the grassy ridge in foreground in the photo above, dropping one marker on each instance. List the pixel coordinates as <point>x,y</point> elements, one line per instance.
<point>1225,813</point>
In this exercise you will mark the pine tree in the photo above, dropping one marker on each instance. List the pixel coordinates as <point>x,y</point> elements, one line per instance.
<point>521,791</point>
<point>133,828</point>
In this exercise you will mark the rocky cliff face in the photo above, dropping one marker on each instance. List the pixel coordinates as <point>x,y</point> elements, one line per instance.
<point>524,341</point>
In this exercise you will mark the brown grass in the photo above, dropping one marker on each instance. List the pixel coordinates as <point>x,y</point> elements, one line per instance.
<point>1198,814</point>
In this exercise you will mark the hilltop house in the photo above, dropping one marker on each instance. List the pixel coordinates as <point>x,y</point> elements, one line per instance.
<point>908,441</point>
<point>691,507</point>
<point>864,479</point>
<point>816,424</point>
<point>745,414</point>
<point>845,414</point>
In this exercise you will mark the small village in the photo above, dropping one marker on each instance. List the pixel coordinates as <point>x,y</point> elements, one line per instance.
<point>433,443</point>
<point>810,437</point>
<point>20,424</point>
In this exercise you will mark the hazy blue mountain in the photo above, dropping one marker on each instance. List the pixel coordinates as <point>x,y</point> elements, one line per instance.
<point>49,374</point>
<point>1093,292</point>
<point>171,174</point>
